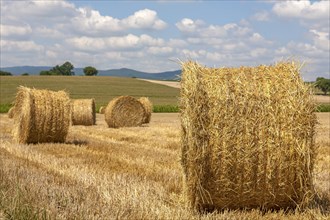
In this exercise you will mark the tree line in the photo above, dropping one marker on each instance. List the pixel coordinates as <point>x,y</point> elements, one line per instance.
<point>323,84</point>
<point>66,69</point>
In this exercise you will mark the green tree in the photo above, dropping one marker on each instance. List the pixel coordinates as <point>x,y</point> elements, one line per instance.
<point>56,70</point>
<point>46,73</point>
<point>90,71</point>
<point>323,84</point>
<point>4,73</point>
<point>65,69</point>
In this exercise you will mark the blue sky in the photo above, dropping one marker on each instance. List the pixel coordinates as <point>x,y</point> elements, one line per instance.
<point>152,36</point>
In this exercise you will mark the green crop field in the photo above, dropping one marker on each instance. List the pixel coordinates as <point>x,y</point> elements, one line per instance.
<point>102,89</point>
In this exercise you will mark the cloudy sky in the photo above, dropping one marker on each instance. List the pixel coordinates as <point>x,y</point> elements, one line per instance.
<point>152,36</point>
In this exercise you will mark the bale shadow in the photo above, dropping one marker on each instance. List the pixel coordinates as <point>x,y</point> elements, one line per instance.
<point>322,202</point>
<point>77,142</point>
<point>263,211</point>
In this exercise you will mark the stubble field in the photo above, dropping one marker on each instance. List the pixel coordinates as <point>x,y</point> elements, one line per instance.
<point>126,173</point>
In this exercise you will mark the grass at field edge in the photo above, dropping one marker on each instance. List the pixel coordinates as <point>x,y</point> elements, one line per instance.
<point>4,108</point>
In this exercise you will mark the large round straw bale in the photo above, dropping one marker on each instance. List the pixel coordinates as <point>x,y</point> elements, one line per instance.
<point>83,112</point>
<point>11,112</point>
<point>147,107</point>
<point>247,137</point>
<point>124,111</point>
<point>41,116</point>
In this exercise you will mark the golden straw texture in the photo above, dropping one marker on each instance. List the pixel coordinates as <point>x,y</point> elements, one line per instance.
<point>11,112</point>
<point>147,107</point>
<point>83,112</point>
<point>247,137</point>
<point>41,116</point>
<point>124,111</point>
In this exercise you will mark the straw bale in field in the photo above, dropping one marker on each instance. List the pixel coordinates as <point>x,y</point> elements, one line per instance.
<point>247,137</point>
<point>148,108</point>
<point>124,111</point>
<point>102,109</point>
<point>41,116</point>
<point>83,112</point>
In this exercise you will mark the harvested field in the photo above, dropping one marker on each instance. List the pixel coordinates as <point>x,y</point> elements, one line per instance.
<point>125,173</point>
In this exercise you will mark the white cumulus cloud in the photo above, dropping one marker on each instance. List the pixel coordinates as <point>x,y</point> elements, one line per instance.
<point>14,31</point>
<point>33,10</point>
<point>145,18</point>
<point>302,9</point>
<point>187,25</point>
<point>127,42</point>
<point>22,46</point>
<point>91,22</point>
<point>321,40</point>
<point>199,28</point>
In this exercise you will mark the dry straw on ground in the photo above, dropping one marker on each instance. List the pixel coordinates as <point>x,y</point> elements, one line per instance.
<point>124,111</point>
<point>247,137</point>
<point>102,110</point>
<point>148,108</point>
<point>83,112</point>
<point>41,116</point>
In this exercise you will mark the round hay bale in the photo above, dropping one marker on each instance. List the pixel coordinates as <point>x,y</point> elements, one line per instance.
<point>11,112</point>
<point>248,137</point>
<point>102,110</point>
<point>124,111</point>
<point>83,112</point>
<point>147,107</point>
<point>41,116</point>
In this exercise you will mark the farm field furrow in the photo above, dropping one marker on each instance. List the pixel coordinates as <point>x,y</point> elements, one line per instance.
<point>126,173</point>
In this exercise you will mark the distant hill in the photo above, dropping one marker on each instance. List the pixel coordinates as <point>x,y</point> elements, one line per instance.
<point>18,70</point>
<point>123,72</point>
